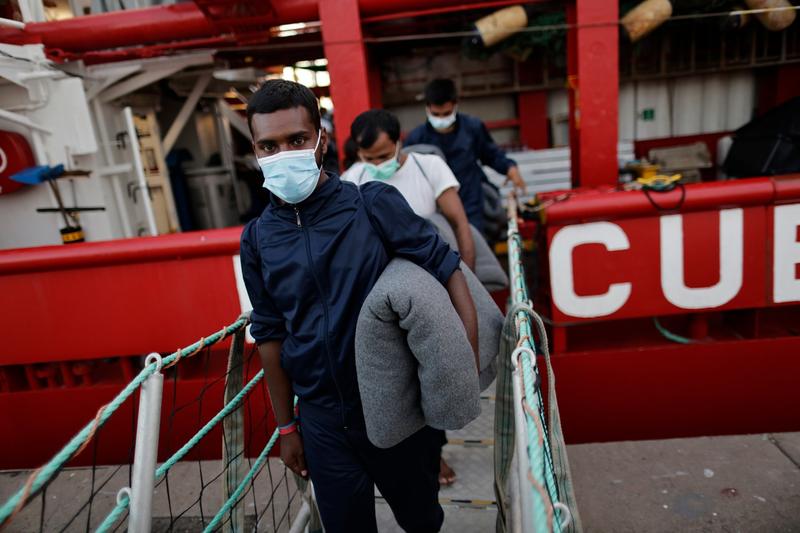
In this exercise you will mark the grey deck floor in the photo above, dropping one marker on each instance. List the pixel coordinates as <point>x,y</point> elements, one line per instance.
<point>747,483</point>
<point>469,504</point>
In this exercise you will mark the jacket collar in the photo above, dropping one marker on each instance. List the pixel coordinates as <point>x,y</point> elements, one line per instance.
<point>311,206</point>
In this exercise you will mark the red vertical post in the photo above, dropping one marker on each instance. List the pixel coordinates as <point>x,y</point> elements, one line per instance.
<point>572,93</point>
<point>532,111</point>
<point>347,62</point>
<point>593,83</point>
<point>375,83</point>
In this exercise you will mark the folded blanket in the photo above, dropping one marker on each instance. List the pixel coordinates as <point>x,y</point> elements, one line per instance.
<point>487,267</point>
<point>414,362</point>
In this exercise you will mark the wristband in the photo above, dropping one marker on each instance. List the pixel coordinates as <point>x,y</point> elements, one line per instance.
<point>289,428</point>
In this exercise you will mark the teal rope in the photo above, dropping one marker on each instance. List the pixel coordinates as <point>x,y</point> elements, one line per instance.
<point>228,505</point>
<point>114,516</point>
<point>674,337</point>
<point>529,373</point>
<point>234,498</point>
<point>191,443</point>
<point>47,472</point>
<point>225,411</point>
<point>535,452</point>
<point>540,458</point>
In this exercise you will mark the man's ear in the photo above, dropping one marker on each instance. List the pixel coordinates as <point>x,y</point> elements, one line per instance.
<point>324,140</point>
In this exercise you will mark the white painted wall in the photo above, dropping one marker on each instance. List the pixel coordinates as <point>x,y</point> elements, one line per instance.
<point>81,136</point>
<point>683,106</point>
<point>71,141</point>
<point>687,105</point>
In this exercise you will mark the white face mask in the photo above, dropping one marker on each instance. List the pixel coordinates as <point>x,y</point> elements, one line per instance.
<point>385,170</point>
<point>442,123</point>
<point>291,175</point>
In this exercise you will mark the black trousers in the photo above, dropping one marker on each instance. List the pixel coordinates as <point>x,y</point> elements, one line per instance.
<point>345,468</point>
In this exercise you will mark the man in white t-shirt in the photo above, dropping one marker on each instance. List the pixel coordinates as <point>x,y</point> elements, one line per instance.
<point>424,180</point>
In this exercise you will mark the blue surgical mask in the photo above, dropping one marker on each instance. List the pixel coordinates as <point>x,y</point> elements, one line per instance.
<point>442,123</point>
<point>385,170</point>
<point>291,175</point>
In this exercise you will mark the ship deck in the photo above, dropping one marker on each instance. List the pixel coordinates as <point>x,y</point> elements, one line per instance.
<point>706,484</point>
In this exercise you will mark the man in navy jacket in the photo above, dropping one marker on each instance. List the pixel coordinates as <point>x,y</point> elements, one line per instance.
<point>465,142</point>
<point>309,262</point>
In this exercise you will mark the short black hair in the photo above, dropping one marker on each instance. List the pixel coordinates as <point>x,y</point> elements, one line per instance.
<point>274,95</point>
<point>369,124</point>
<point>350,153</point>
<point>440,91</point>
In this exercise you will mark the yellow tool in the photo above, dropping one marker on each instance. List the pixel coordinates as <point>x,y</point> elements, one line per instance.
<point>659,182</point>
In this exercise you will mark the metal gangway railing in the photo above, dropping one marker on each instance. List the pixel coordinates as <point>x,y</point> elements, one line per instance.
<point>532,478</point>
<point>133,508</point>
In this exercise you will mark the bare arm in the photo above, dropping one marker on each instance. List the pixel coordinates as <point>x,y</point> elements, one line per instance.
<point>453,210</point>
<point>462,301</point>
<point>280,394</point>
<point>514,177</point>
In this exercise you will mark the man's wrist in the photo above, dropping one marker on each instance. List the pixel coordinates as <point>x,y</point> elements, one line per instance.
<point>288,429</point>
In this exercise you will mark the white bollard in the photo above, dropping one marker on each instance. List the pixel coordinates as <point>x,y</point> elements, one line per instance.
<point>144,461</point>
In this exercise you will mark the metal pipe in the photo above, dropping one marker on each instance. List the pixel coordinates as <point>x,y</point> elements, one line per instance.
<point>12,23</point>
<point>448,9</point>
<point>302,518</point>
<point>116,186</point>
<point>174,22</point>
<point>23,121</point>
<point>177,22</point>
<point>139,52</point>
<point>139,170</point>
<point>186,111</point>
<point>608,203</point>
<point>144,461</point>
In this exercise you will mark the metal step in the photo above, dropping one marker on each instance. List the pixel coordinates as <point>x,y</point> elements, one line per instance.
<point>469,504</point>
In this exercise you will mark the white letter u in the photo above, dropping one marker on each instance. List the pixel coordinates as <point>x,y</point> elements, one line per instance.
<point>731,259</point>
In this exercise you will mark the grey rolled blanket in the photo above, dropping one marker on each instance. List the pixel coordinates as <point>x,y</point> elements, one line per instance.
<point>414,362</point>
<point>487,267</point>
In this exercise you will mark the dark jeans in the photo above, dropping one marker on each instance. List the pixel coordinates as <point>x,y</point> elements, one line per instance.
<point>345,468</point>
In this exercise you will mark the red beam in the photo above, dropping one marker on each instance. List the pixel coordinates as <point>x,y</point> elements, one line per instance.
<point>533,125</point>
<point>177,22</point>
<point>593,68</point>
<point>111,30</point>
<point>347,62</point>
<point>787,188</point>
<point>471,6</point>
<point>124,297</point>
<point>120,252</point>
<point>611,204</point>
<point>501,124</point>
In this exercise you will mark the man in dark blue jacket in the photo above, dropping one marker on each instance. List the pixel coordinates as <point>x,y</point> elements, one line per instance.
<point>309,262</point>
<point>466,144</point>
